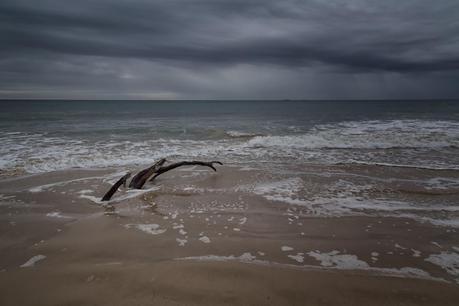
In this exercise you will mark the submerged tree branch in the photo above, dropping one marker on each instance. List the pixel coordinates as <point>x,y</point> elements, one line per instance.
<point>140,178</point>
<point>115,187</point>
<point>184,163</point>
<point>157,169</point>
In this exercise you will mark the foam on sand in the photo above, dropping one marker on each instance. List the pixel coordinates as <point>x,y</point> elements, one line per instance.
<point>298,257</point>
<point>181,242</point>
<point>448,261</point>
<point>204,239</point>
<point>32,261</point>
<point>129,194</point>
<point>42,188</point>
<point>339,261</point>
<point>243,220</point>
<point>281,191</point>
<point>347,198</point>
<point>245,257</point>
<point>56,214</point>
<point>152,229</point>
<point>349,262</point>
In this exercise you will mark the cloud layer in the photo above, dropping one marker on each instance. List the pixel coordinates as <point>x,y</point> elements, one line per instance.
<point>218,49</point>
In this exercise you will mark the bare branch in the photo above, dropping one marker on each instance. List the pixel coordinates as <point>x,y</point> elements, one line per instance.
<point>115,187</point>
<point>157,169</point>
<point>185,163</point>
<point>140,178</point>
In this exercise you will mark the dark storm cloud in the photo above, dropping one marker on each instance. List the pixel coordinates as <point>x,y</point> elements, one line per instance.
<point>229,49</point>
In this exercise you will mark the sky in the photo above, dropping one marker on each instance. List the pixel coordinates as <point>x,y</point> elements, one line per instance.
<point>235,49</point>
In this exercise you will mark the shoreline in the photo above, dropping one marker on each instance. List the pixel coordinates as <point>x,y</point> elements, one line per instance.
<point>194,213</point>
<point>197,283</point>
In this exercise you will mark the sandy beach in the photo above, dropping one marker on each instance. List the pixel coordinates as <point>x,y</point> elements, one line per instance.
<point>221,152</point>
<point>197,237</point>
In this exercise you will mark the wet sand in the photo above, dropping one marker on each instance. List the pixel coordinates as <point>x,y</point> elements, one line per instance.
<point>198,237</point>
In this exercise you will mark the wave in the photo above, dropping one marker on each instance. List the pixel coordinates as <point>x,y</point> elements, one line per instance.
<point>396,134</point>
<point>239,134</point>
<point>347,198</point>
<point>390,165</point>
<point>413,142</point>
<point>333,261</point>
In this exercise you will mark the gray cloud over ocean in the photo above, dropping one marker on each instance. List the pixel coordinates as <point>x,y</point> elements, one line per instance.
<point>193,49</point>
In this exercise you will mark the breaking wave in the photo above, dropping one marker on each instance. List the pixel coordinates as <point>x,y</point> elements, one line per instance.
<point>370,135</point>
<point>412,143</point>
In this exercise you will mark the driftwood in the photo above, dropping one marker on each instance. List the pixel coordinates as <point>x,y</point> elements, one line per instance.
<point>140,178</point>
<point>115,187</point>
<point>184,163</point>
<point>157,169</point>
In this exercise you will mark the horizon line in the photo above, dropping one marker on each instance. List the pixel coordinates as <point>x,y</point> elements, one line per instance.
<point>259,99</point>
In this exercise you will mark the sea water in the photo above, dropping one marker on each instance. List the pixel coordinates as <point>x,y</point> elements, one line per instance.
<point>392,158</point>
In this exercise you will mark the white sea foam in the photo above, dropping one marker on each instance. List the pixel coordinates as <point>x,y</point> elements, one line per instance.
<point>204,239</point>
<point>32,261</point>
<point>448,261</point>
<point>245,257</point>
<point>282,191</point>
<point>57,214</point>
<point>239,134</point>
<point>416,253</point>
<point>243,220</point>
<point>346,198</point>
<point>152,229</point>
<point>431,166</point>
<point>442,183</point>
<point>36,153</point>
<point>369,135</point>
<point>181,242</point>
<point>63,183</point>
<point>298,257</point>
<point>6,198</point>
<point>84,191</point>
<point>129,194</point>
<point>339,261</point>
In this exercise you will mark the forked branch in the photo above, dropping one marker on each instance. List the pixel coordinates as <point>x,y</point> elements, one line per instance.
<point>157,169</point>
<point>115,187</point>
<point>140,178</point>
<point>185,163</point>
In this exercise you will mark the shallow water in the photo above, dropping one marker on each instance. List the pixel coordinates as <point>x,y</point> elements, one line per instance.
<point>41,136</point>
<point>333,158</point>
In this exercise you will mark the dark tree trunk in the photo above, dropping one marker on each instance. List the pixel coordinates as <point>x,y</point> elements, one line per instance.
<point>185,163</point>
<point>115,187</point>
<point>140,178</point>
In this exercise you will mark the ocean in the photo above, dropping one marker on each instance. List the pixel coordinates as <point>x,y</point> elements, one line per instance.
<point>370,186</point>
<point>41,136</point>
<point>334,158</point>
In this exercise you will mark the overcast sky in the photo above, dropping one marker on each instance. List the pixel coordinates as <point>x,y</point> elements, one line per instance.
<point>235,49</point>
